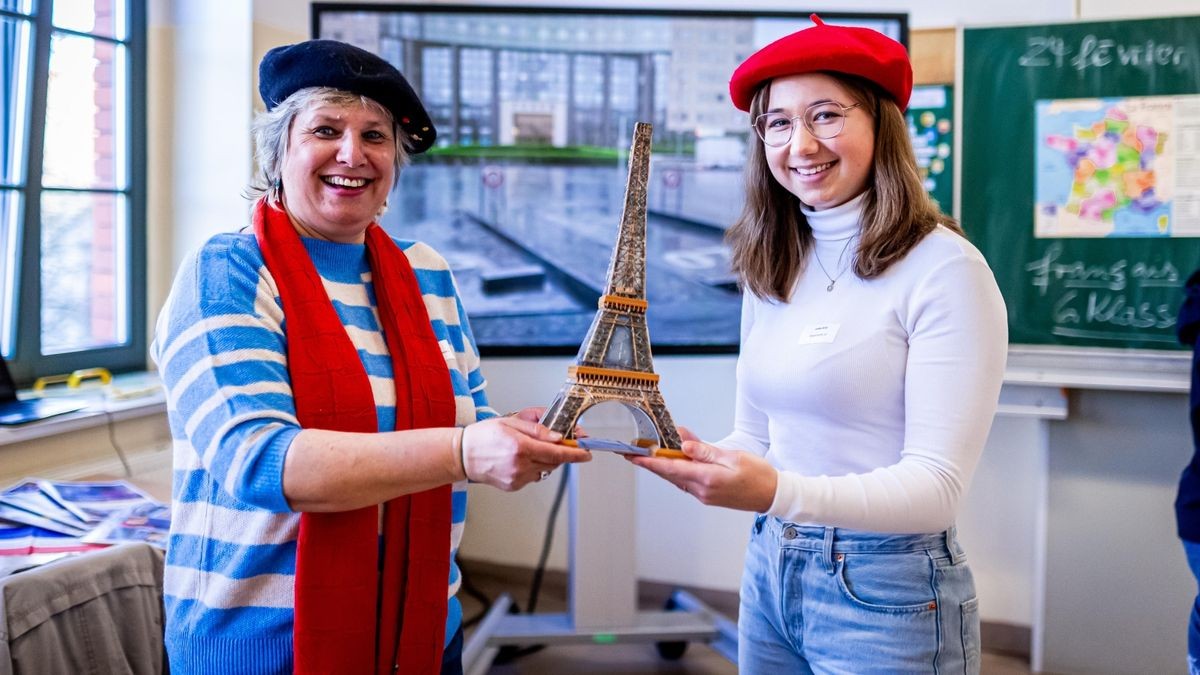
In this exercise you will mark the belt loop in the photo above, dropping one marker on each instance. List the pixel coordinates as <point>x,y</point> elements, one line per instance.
<point>952,547</point>
<point>827,551</point>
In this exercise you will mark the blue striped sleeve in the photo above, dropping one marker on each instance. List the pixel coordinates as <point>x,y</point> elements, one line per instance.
<point>221,352</point>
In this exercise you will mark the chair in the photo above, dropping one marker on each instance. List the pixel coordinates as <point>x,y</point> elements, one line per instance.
<point>100,612</point>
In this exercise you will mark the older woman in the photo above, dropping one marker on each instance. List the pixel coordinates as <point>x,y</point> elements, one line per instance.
<point>326,401</point>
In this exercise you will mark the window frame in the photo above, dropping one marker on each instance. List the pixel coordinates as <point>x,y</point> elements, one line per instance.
<point>27,362</point>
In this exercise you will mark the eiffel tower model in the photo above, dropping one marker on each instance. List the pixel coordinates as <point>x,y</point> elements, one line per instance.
<point>614,362</point>
<point>613,365</point>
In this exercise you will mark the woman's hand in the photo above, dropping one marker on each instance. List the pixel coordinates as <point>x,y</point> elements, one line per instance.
<point>531,414</point>
<point>511,452</point>
<point>534,414</point>
<point>718,477</point>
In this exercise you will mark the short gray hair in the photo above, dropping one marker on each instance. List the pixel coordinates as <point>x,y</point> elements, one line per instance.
<point>272,128</point>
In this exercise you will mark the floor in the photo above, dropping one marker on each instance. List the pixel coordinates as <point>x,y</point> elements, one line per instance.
<point>624,659</point>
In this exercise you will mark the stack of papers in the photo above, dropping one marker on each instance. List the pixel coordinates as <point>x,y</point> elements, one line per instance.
<point>41,520</point>
<point>25,546</point>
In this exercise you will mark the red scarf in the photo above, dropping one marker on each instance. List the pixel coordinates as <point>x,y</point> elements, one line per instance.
<point>348,619</point>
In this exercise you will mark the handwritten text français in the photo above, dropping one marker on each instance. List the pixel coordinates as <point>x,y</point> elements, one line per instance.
<point>1049,270</point>
<point>1104,295</point>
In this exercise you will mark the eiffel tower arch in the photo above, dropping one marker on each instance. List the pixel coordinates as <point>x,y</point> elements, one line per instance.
<point>614,362</point>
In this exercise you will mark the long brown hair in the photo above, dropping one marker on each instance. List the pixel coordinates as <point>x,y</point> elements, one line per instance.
<point>771,238</point>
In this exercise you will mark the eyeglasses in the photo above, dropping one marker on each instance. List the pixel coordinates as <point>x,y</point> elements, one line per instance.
<point>823,120</point>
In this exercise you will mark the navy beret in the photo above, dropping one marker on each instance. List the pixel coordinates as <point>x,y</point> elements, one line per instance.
<point>329,63</point>
<point>842,49</point>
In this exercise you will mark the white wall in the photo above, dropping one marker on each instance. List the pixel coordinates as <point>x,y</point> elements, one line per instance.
<point>160,154</point>
<point>1119,589</point>
<point>212,155</point>
<point>1123,9</point>
<point>999,522</point>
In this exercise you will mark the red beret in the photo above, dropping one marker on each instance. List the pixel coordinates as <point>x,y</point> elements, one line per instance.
<point>857,51</point>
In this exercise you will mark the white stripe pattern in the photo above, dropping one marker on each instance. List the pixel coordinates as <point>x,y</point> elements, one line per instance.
<point>206,365</point>
<point>203,328</point>
<point>220,592</point>
<point>254,527</point>
<point>221,398</point>
<point>369,341</point>
<point>384,390</point>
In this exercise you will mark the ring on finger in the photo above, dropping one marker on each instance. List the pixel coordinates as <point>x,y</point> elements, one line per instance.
<point>542,476</point>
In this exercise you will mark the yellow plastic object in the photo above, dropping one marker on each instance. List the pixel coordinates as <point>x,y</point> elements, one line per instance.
<point>73,380</point>
<point>76,378</point>
<point>47,380</point>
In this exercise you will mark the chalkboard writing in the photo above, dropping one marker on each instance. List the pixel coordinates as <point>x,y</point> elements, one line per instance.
<point>1090,300</point>
<point>1051,51</point>
<point>1076,185</point>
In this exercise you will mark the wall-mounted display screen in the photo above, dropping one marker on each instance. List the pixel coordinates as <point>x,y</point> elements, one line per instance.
<point>535,109</point>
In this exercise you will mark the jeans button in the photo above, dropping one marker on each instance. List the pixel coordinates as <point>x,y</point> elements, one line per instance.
<point>789,533</point>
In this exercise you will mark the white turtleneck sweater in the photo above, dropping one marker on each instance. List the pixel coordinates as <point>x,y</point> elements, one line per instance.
<point>873,400</point>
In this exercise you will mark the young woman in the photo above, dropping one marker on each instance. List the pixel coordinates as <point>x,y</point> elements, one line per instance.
<point>873,348</point>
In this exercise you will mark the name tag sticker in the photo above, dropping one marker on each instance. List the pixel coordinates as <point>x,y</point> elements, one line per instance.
<point>447,351</point>
<point>819,333</point>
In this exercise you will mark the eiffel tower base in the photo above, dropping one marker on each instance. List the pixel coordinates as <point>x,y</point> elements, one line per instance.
<point>645,402</point>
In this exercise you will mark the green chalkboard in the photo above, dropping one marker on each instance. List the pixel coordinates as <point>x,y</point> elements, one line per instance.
<point>1080,175</point>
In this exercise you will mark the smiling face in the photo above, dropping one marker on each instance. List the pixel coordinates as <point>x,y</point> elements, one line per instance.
<point>821,173</point>
<point>337,170</point>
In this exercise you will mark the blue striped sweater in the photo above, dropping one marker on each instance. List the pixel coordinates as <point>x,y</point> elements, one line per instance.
<point>220,349</point>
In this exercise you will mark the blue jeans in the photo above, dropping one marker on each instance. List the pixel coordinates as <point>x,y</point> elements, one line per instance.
<point>1192,549</point>
<point>825,600</point>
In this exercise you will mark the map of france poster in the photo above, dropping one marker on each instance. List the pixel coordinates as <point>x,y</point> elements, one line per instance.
<point>1118,167</point>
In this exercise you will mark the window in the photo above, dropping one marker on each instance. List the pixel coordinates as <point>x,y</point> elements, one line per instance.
<point>72,198</point>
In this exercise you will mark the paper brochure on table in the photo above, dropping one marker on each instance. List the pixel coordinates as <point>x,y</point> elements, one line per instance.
<point>25,502</point>
<point>23,546</point>
<point>43,520</point>
<point>148,522</point>
<point>94,501</point>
